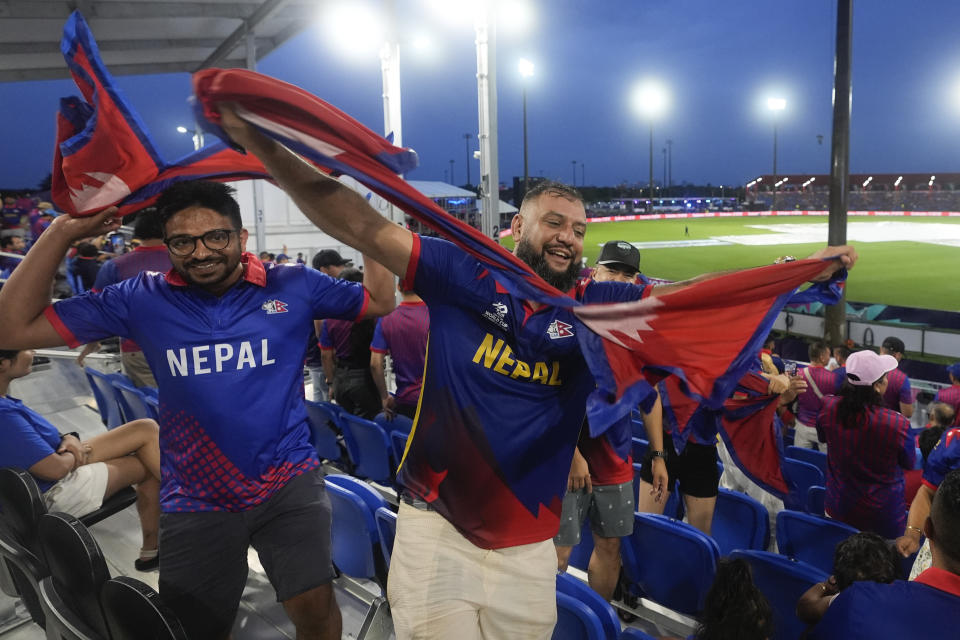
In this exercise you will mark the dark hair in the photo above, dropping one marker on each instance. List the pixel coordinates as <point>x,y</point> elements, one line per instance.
<point>8,354</point>
<point>945,515</point>
<point>148,225</point>
<point>816,349</point>
<point>928,439</point>
<point>551,188</point>
<point>734,607</point>
<point>769,343</point>
<point>864,556</point>
<point>87,249</point>
<point>6,241</point>
<point>893,345</point>
<point>199,193</point>
<point>854,401</point>
<point>352,274</point>
<point>843,352</point>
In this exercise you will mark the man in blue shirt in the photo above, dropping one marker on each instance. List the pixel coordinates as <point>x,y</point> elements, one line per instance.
<point>928,607</point>
<point>502,401</point>
<point>225,338</point>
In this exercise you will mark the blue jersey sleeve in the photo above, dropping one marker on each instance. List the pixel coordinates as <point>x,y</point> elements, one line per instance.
<point>26,438</point>
<point>334,298</point>
<point>379,342</point>
<point>441,272</point>
<point>607,292</point>
<point>94,316</point>
<point>325,341</point>
<point>944,458</point>
<point>106,276</point>
<point>906,396</point>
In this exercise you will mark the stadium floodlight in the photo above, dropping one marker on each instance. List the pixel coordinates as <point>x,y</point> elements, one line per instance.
<point>355,28</point>
<point>650,99</point>
<point>932,178</point>
<point>866,182</point>
<point>525,67</point>
<point>776,104</point>
<point>182,129</point>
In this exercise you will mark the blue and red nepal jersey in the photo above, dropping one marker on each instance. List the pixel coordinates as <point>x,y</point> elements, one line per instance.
<point>898,390</point>
<point>233,427</point>
<point>503,399</point>
<point>403,334</point>
<point>11,217</point>
<point>943,458</point>
<point>808,403</point>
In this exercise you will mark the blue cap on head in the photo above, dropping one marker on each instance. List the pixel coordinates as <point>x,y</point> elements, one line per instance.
<point>954,370</point>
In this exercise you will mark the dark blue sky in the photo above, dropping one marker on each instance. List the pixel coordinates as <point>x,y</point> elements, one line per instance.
<point>719,60</point>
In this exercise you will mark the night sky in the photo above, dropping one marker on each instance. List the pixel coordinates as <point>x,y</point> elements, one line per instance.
<point>718,60</point>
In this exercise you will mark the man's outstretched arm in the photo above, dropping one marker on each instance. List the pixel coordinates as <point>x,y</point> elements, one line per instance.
<point>331,206</point>
<point>27,293</point>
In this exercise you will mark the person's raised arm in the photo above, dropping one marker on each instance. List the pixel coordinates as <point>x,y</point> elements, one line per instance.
<point>381,287</point>
<point>26,293</point>
<point>333,207</point>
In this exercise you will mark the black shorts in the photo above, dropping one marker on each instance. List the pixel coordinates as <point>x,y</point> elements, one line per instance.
<point>203,558</point>
<point>695,468</point>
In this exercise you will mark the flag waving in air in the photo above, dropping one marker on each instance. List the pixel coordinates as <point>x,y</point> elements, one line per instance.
<point>105,157</point>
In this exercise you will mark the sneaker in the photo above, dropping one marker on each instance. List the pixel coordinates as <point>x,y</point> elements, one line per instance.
<point>147,565</point>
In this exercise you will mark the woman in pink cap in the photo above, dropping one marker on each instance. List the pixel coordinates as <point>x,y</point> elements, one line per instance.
<point>868,447</point>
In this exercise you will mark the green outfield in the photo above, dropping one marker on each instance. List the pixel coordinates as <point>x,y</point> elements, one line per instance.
<point>903,261</point>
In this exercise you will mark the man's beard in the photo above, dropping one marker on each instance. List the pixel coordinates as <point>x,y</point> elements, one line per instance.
<point>562,280</point>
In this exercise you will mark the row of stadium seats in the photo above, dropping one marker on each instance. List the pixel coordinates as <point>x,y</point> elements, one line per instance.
<point>118,400</point>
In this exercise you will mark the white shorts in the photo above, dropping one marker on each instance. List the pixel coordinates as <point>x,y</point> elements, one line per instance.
<point>442,586</point>
<point>80,491</point>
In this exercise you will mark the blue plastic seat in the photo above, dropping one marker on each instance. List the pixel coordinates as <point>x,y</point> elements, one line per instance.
<point>576,621</point>
<point>636,424</point>
<point>739,522</point>
<point>815,499</point>
<point>369,447</point>
<point>782,581</point>
<point>674,506</point>
<point>323,429</point>
<point>639,448</point>
<point>400,423</point>
<point>133,403</point>
<point>106,397</point>
<point>601,608</point>
<point>810,538</point>
<point>800,476</point>
<point>814,457</point>
<point>581,552</point>
<point>632,633</point>
<point>371,497</point>
<point>387,527</point>
<point>669,562</point>
<point>356,540</point>
<point>398,444</point>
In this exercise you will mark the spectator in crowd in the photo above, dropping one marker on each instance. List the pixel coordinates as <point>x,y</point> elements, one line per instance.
<point>487,461</point>
<point>150,255</point>
<point>300,259</point>
<point>941,418</point>
<point>734,607</point>
<point>217,328</point>
<point>11,244</point>
<point>76,476</point>
<point>771,362</point>
<point>839,360</point>
<point>283,258</point>
<point>868,448</point>
<point>820,383</point>
<point>600,483</point>
<point>862,556</point>
<point>345,347</point>
<point>86,265</point>
<point>11,218</point>
<point>898,395</point>
<point>330,262</point>
<point>951,395</point>
<point>928,607</point>
<point>402,334</point>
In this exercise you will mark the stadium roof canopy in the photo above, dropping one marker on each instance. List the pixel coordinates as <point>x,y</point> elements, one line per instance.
<point>147,36</point>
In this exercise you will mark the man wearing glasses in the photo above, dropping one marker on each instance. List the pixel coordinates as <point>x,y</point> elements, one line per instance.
<point>226,340</point>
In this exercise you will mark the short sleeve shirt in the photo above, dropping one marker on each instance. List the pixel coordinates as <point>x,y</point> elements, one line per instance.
<point>26,437</point>
<point>943,458</point>
<point>403,333</point>
<point>898,390</point>
<point>503,398</point>
<point>233,426</point>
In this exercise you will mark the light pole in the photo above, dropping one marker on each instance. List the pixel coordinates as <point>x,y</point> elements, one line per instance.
<point>775,105</point>
<point>664,169</point>
<point>526,70</point>
<point>669,163</point>
<point>466,142</point>
<point>574,164</point>
<point>583,180</point>
<point>651,101</point>
<point>451,171</point>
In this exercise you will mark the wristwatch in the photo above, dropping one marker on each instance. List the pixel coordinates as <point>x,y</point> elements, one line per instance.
<point>658,454</point>
<point>70,433</point>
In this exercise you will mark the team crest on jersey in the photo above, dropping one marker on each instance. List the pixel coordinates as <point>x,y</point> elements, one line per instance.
<point>497,315</point>
<point>559,329</point>
<point>274,306</point>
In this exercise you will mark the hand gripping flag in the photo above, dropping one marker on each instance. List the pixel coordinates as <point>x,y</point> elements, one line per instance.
<point>105,157</point>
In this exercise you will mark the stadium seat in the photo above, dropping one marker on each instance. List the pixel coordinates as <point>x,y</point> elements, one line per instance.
<point>635,634</point>
<point>800,476</point>
<point>814,457</point>
<point>25,571</point>
<point>323,430</point>
<point>106,397</point>
<point>62,623</point>
<point>369,448</point>
<point>356,540</point>
<point>581,552</point>
<point>398,444</point>
<point>400,423</point>
<point>782,581</point>
<point>674,506</point>
<point>639,431</point>
<point>576,620</point>
<point>133,610</point>
<point>387,528</point>
<point>604,611</point>
<point>133,403</point>
<point>815,499</point>
<point>371,497</point>
<point>670,562</point>
<point>739,522</point>
<point>639,449</point>
<point>77,567</point>
<point>811,539</point>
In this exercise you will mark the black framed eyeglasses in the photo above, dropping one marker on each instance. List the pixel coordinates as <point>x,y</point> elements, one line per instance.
<point>184,245</point>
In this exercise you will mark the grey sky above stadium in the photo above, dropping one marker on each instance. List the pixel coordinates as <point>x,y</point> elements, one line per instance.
<point>718,61</point>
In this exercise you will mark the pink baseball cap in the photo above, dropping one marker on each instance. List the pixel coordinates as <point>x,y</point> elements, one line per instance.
<point>866,367</point>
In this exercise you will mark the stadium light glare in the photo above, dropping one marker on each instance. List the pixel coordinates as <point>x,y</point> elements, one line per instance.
<point>866,182</point>
<point>650,99</point>
<point>898,181</point>
<point>355,28</point>
<point>182,129</point>
<point>514,16</point>
<point>776,104</point>
<point>525,67</point>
